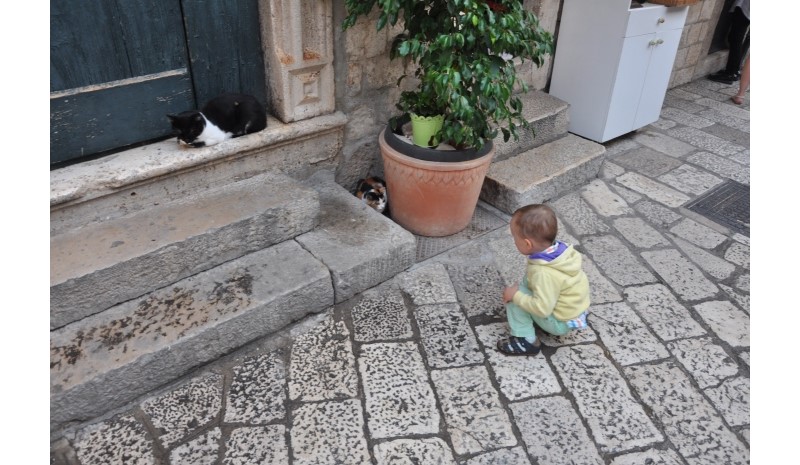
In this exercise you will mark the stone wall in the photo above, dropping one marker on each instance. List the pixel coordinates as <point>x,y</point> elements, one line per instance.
<point>693,60</point>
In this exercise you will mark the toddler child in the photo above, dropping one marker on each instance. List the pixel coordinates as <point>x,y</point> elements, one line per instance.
<point>554,294</point>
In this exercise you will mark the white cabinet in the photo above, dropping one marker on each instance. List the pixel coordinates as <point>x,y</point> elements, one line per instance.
<point>613,63</point>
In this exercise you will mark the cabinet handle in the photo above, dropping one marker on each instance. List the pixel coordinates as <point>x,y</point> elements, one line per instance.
<point>656,42</point>
<point>661,20</point>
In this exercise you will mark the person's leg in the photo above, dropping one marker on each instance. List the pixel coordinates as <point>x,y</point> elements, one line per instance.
<point>523,334</point>
<point>744,84</point>
<point>738,42</point>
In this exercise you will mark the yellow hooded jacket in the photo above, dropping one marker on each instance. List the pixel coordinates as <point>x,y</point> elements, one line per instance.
<point>557,283</point>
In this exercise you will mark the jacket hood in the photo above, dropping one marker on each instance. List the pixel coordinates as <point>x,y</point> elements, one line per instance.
<point>561,257</point>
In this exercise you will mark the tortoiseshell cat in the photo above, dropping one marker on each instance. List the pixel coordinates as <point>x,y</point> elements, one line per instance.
<point>372,191</point>
<point>223,117</point>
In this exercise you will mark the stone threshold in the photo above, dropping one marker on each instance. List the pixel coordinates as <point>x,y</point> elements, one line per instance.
<point>85,181</point>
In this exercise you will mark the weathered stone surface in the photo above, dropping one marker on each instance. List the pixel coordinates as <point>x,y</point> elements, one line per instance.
<point>381,316</point>
<point>574,211</point>
<point>610,170</point>
<point>698,234</point>
<point>185,409</point>
<point>616,419</point>
<point>721,166</point>
<point>476,421</point>
<point>548,118</point>
<point>345,241</point>
<point>515,455</point>
<point>742,299</point>
<point>446,336</point>
<point>705,141</point>
<point>680,274</point>
<point>649,457</point>
<point>710,263</point>
<point>483,221</point>
<point>479,288</point>
<point>683,117</point>
<point>542,173</point>
<point>625,334</point>
<point>428,285</point>
<point>114,441</point>
<point>689,421</point>
<point>617,262</point>
<point>743,282</point>
<point>728,322</point>
<point>732,399</point>
<point>663,143</point>
<point>107,360</point>
<point>322,365</point>
<point>329,433</point>
<point>399,398</point>
<point>690,180</point>
<point>656,213</point>
<point>717,116</point>
<point>639,233</point>
<point>257,393</point>
<point>667,317</point>
<point>507,259</point>
<point>600,289</point>
<point>258,444</point>
<point>102,264</point>
<point>739,254</point>
<point>707,362</point>
<point>627,194</point>
<point>647,161</point>
<point>619,145</point>
<point>202,450</point>
<point>518,377</point>
<point>606,202</point>
<point>412,451</point>
<point>553,432</point>
<point>652,189</point>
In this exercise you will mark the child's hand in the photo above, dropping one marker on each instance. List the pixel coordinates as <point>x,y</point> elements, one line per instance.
<point>508,293</point>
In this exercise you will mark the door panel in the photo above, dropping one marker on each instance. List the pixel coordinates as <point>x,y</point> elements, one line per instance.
<point>657,79</point>
<point>92,119</point>
<point>224,48</point>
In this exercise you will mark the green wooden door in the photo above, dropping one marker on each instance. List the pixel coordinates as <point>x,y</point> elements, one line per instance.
<point>117,67</point>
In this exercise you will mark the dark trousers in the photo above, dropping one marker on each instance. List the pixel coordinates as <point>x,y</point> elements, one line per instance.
<point>738,41</point>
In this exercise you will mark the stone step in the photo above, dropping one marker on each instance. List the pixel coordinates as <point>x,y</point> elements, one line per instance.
<point>361,247</point>
<point>104,263</point>
<point>107,360</point>
<point>547,115</point>
<point>542,173</point>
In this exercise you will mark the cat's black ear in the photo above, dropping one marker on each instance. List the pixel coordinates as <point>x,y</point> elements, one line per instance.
<point>198,117</point>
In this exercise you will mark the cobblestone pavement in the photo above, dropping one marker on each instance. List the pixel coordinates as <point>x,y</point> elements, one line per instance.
<point>407,373</point>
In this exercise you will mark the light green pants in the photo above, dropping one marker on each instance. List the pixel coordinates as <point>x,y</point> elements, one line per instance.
<point>521,323</point>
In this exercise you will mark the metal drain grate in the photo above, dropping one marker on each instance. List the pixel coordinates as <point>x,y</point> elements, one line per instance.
<point>727,204</point>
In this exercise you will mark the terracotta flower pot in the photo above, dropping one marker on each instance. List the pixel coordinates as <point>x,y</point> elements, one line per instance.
<point>432,198</point>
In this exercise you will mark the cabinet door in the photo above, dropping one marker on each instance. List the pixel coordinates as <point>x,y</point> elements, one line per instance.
<point>628,85</point>
<point>662,57</point>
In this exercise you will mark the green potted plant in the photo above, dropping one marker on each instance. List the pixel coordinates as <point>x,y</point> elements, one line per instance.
<point>466,53</point>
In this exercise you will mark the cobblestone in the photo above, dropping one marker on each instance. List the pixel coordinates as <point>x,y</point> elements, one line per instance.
<point>680,274</point>
<point>652,189</point>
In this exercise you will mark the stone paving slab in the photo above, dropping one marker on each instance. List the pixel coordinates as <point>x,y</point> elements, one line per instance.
<point>257,444</point>
<point>518,377</point>
<point>652,189</point>
<point>617,261</point>
<point>446,336</point>
<point>381,316</point>
<point>202,450</point>
<point>604,201</point>
<point>257,392</point>
<point>413,451</point>
<point>656,213</point>
<point>697,233</point>
<point>680,274</point>
<point>479,288</point>
<point>428,285</point>
<point>601,290</point>
<point>322,364</point>
<point>647,161</point>
<point>577,213</point>
<point>664,314</point>
<point>122,439</point>
<point>708,262</point>
<point>639,233</point>
<point>616,420</point>
<point>649,457</point>
<point>729,323</point>
<point>329,433</point>
<point>707,362</point>
<point>475,418</point>
<point>690,422</point>
<point>732,399</point>
<point>399,398</point>
<point>690,180</point>
<point>625,335</point>
<point>554,433</point>
<point>722,166</point>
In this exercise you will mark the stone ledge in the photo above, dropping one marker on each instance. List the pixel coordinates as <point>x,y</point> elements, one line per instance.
<point>100,177</point>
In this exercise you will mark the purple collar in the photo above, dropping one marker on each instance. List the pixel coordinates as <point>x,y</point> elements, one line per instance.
<point>551,253</point>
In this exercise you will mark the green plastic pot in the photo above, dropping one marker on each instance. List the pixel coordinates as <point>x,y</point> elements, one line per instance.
<point>424,127</point>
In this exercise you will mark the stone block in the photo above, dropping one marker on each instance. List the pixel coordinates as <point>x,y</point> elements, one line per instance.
<point>647,161</point>
<point>617,261</point>
<point>625,335</point>
<point>576,212</point>
<point>706,361</point>
<point>330,433</point>
<point>690,180</point>
<point>120,438</point>
<point>102,264</point>
<point>652,189</point>
<point>257,393</point>
<point>604,201</point>
<point>380,317</point>
<point>107,360</point>
<point>728,323</point>
<point>425,450</point>
<point>548,118</point>
<point>257,444</point>
<point>664,314</point>
<point>446,336</point>
<point>680,274</point>
<point>542,173</point>
<point>345,241</point>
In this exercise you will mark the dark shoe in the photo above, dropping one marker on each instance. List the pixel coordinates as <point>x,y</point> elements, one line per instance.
<point>518,346</point>
<point>723,77</point>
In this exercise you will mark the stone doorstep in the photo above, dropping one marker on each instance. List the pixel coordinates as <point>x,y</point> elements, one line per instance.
<point>103,264</point>
<point>542,173</point>
<point>548,117</point>
<point>361,247</point>
<point>105,361</point>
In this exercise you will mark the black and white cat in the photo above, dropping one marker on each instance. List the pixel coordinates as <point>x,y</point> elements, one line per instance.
<point>372,191</point>
<point>223,117</point>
